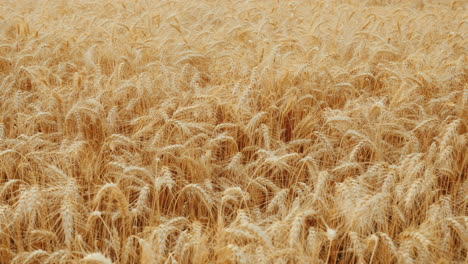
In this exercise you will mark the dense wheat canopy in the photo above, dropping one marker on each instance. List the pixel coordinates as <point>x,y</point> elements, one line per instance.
<point>203,131</point>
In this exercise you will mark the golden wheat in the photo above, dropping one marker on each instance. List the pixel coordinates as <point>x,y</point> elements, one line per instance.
<point>196,131</point>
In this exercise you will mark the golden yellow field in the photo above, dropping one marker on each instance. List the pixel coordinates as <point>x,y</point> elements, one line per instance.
<point>266,131</point>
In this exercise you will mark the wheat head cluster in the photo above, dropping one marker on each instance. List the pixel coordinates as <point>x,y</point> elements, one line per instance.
<point>199,131</point>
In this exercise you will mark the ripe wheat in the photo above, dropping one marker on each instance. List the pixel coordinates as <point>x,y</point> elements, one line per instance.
<point>197,131</point>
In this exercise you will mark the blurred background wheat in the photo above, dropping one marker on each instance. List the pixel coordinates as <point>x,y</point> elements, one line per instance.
<point>233,131</point>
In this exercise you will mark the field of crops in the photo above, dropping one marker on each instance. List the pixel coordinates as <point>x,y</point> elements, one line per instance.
<point>203,131</point>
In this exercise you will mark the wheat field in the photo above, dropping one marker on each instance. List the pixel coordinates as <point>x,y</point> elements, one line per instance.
<point>186,131</point>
